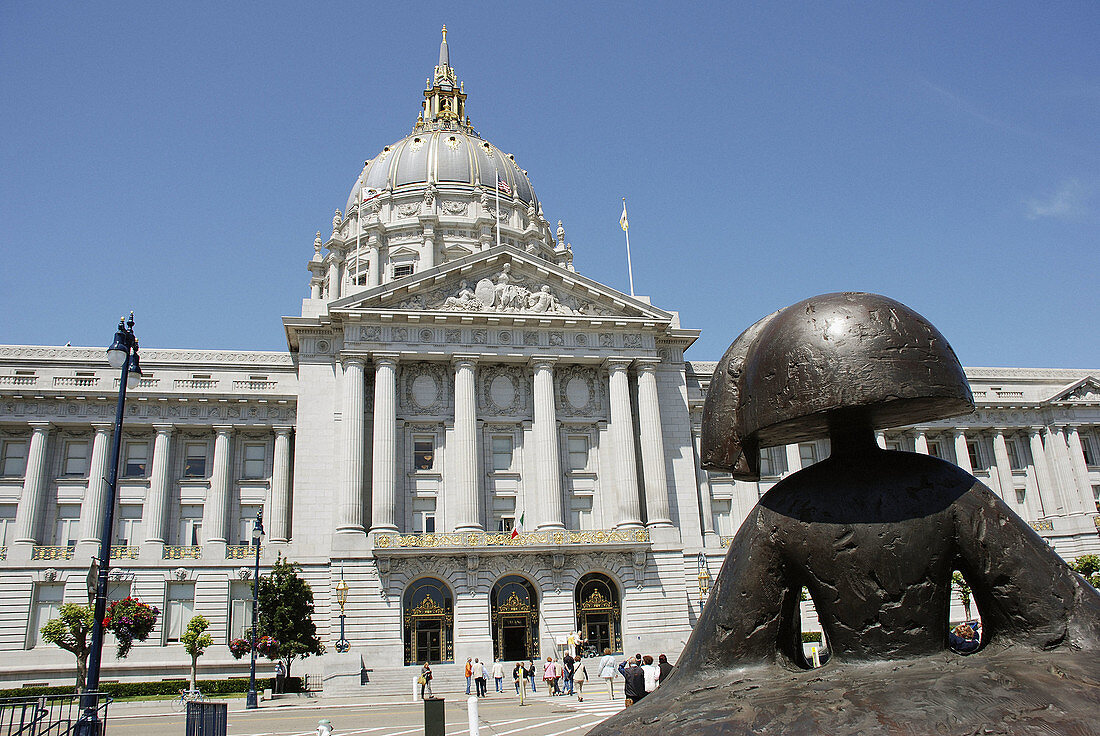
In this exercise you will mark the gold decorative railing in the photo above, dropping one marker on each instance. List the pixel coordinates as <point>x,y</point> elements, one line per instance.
<point>1042,526</point>
<point>125,552</point>
<point>52,553</point>
<point>177,552</point>
<point>725,540</point>
<point>1096,521</point>
<point>3,553</point>
<point>505,539</point>
<point>241,551</point>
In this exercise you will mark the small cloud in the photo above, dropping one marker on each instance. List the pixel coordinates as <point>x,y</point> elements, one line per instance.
<point>1069,202</point>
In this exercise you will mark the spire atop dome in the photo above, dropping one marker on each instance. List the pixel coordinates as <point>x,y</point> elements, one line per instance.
<point>444,103</point>
<point>444,57</point>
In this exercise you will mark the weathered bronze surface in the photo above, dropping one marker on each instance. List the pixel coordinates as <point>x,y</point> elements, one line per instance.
<point>874,535</point>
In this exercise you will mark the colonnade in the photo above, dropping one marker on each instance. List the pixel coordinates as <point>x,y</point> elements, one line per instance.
<point>33,499</point>
<point>544,483</point>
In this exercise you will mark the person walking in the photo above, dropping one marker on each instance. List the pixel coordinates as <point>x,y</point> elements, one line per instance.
<point>548,673</point>
<point>481,677</point>
<point>633,679</point>
<point>607,671</point>
<point>280,677</point>
<point>425,681</point>
<point>652,674</point>
<point>580,676</point>
<point>666,668</point>
<point>518,672</point>
<point>567,674</point>
<point>498,675</point>
<point>469,674</point>
<point>529,673</point>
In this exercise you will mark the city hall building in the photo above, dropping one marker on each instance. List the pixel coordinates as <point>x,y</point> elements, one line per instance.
<point>491,449</point>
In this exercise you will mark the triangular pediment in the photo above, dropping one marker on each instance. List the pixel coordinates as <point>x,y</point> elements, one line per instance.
<point>501,281</point>
<point>1086,390</point>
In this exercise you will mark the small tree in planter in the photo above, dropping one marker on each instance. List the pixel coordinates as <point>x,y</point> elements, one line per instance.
<point>70,631</point>
<point>129,619</point>
<point>1088,566</point>
<point>962,589</point>
<point>195,641</point>
<point>286,613</point>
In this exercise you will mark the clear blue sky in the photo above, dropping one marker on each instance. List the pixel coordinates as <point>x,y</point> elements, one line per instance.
<point>176,159</point>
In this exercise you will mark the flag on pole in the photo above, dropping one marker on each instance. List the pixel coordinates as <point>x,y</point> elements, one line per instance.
<point>519,523</point>
<point>622,220</point>
<point>624,225</point>
<point>503,186</point>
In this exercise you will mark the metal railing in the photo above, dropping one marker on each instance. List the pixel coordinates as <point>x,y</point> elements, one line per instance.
<point>48,715</point>
<point>179,552</point>
<point>125,552</point>
<point>506,539</point>
<point>45,552</point>
<point>241,551</point>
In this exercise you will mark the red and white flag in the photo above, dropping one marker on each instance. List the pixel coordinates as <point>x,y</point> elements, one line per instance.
<point>519,523</point>
<point>503,186</point>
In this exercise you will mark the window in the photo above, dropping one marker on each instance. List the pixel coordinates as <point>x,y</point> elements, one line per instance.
<point>504,513</point>
<point>240,609</point>
<point>68,525</point>
<point>1095,497</point>
<point>423,453</point>
<point>807,454</point>
<point>76,458</point>
<point>7,522</point>
<point>580,512</point>
<point>47,605</point>
<point>773,461</point>
<point>893,445</point>
<point>502,453</point>
<point>1086,450</point>
<point>194,460</point>
<point>935,450</point>
<point>578,453</point>
<point>721,509</point>
<point>247,521</point>
<point>423,515</point>
<point>1013,454</point>
<point>180,610</point>
<point>190,525</point>
<point>255,456</point>
<point>403,270</point>
<point>128,529</point>
<point>13,458</point>
<point>361,276</point>
<point>1021,496</point>
<point>137,460</point>
<point>974,451</point>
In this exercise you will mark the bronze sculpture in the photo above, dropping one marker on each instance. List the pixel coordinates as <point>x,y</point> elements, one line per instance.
<point>874,535</point>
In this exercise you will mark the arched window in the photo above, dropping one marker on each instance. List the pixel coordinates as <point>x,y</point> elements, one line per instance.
<point>514,607</point>
<point>599,613</point>
<point>428,609</point>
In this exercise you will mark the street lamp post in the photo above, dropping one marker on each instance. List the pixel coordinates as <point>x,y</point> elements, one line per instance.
<point>704,580</point>
<point>257,536</point>
<point>123,355</point>
<point>342,644</point>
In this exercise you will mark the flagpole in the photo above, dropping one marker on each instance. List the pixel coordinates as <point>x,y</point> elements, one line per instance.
<point>358,231</point>
<point>498,207</point>
<point>629,267</point>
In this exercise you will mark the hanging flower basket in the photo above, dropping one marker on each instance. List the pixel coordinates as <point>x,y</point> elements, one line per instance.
<point>238,648</point>
<point>268,646</point>
<point>130,620</point>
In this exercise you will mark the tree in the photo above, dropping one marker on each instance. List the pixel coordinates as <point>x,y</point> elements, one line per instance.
<point>195,641</point>
<point>962,588</point>
<point>286,612</point>
<point>70,632</point>
<point>1089,568</point>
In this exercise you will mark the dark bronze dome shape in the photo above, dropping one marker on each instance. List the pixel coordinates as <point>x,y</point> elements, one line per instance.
<point>874,535</point>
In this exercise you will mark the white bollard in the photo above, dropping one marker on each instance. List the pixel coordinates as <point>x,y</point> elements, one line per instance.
<point>324,727</point>
<point>416,689</point>
<point>815,657</point>
<point>471,711</point>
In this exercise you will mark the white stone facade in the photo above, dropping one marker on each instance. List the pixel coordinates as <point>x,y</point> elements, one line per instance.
<point>449,376</point>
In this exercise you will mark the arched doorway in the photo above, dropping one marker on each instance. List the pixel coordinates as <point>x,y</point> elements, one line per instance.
<point>514,606</point>
<point>598,612</point>
<point>428,609</point>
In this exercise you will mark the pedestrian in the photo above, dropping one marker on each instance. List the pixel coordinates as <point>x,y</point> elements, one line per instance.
<point>498,675</point>
<point>607,671</point>
<point>517,673</point>
<point>666,668</point>
<point>425,681</point>
<point>652,674</point>
<point>529,673</point>
<point>480,677</point>
<point>469,674</point>
<point>580,676</point>
<point>633,679</point>
<point>280,677</point>
<point>567,674</point>
<point>559,677</point>
<point>548,676</point>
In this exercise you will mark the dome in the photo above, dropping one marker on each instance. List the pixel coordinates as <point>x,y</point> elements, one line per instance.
<point>451,155</point>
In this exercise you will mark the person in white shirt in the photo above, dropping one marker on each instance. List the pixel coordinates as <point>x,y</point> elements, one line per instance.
<point>498,676</point>
<point>652,674</point>
<point>607,671</point>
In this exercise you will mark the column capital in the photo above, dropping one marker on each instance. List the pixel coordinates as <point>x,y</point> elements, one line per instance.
<point>41,427</point>
<point>360,359</point>
<point>103,427</point>
<point>1036,428</point>
<point>646,364</point>
<point>960,430</point>
<point>547,360</point>
<point>226,429</point>
<point>380,358</point>
<point>164,428</point>
<point>617,364</point>
<point>461,358</point>
<point>282,430</point>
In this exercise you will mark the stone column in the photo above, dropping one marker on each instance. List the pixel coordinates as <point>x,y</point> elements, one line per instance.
<point>279,527</point>
<point>921,442</point>
<point>1048,495</point>
<point>335,275</point>
<point>962,451</point>
<point>349,518</point>
<point>794,458</point>
<point>91,511</point>
<point>880,438</point>
<point>653,446</point>
<point>1080,469</point>
<point>706,506</point>
<point>547,448</point>
<point>28,516</point>
<point>1050,454</point>
<point>155,512</point>
<point>1004,468</point>
<point>374,261</point>
<point>1064,468</point>
<point>622,445</point>
<point>466,493</point>
<point>427,256</point>
<point>384,465</point>
<point>215,512</point>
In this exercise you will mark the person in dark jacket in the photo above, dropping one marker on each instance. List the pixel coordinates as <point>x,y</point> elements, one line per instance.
<point>666,668</point>
<point>633,680</point>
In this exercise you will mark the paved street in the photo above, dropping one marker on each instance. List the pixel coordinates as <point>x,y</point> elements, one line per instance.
<point>499,715</point>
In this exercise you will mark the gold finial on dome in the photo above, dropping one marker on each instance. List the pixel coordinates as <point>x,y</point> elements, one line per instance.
<point>444,33</point>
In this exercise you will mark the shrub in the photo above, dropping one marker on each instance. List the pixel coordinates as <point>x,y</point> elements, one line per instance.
<point>811,637</point>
